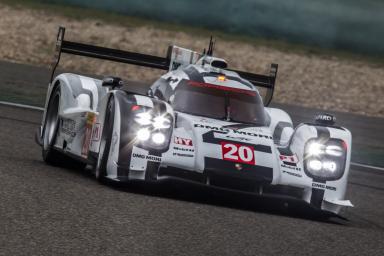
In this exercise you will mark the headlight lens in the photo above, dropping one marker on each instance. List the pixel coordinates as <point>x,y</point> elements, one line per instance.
<point>158,122</point>
<point>158,138</point>
<point>330,166</point>
<point>143,134</point>
<point>334,150</point>
<point>161,122</point>
<point>315,165</point>
<point>315,148</point>
<point>325,161</point>
<point>143,118</point>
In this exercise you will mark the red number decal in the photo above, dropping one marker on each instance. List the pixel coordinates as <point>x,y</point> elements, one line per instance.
<point>238,153</point>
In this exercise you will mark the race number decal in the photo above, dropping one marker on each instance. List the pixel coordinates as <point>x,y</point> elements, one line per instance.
<point>238,153</point>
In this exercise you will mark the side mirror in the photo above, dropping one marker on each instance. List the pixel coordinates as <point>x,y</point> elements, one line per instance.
<point>112,82</point>
<point>150,93</point>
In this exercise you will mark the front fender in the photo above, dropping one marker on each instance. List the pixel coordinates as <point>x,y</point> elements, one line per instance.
<point>125,148</point>
<point>328,193</point>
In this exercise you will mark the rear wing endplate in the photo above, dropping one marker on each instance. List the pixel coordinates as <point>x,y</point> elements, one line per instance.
<point>175,56</point>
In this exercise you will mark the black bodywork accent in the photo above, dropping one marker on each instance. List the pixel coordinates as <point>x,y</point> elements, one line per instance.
<point>218,167</point>
<point>317,195</point>
<point>162,89</point>
<point>126,133</point>
<point>209,137</point>
<point>279,130</point>
<point>286,151</point>
<point>193,74</point>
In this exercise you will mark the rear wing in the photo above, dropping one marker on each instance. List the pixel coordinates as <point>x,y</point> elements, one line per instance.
<point>145,60</point>
<point>176,56</point>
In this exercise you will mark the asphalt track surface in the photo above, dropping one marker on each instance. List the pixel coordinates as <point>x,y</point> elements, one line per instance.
<point>46,210</point>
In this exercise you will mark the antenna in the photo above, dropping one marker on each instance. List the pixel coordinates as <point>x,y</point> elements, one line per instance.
<point>211,46</point>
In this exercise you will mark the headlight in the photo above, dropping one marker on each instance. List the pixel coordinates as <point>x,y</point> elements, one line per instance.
<point>315,149</point>
<point>153,129</point>
<point>158,122</point>
<point>158,138</point>
<point>325,161</point>
<point>143,134</point>
<point>161,122</point>
<point>315,165</point>
<point>143,118</point>
<point>334,150</point>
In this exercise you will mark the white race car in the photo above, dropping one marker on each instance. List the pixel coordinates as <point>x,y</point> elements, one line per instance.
<point>199,122</point>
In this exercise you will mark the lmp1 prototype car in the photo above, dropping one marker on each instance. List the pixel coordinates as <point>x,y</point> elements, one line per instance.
<point>200,122</point>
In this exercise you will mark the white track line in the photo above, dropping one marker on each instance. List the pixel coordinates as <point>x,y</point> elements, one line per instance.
<point>42,109</point>
<point>367,166</point>
<point>20,105</point>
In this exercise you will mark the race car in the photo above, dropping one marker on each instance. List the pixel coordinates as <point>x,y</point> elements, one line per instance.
<point>200,122</point>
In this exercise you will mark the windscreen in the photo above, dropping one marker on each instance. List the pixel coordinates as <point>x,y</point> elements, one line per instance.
<point>219,102</point>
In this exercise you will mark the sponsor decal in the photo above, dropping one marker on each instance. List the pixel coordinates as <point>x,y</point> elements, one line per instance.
<point>289,159</point>
<point>183,141</point>
<point>322,186</point>
<point>291,167</point>
<point>238,153</point>
<point>293,174</point>
<point>150,158</point>
<point>184,149</point>
<point>182,155</point>
<point>237,138</point>
<point>90,120</point>
<point>325,119</point>
<point>226,130</point>
<point>213,128</point>
<point>68,127</point>
<point>96,132</point>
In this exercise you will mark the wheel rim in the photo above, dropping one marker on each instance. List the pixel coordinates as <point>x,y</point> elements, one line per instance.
<point>51,123</point>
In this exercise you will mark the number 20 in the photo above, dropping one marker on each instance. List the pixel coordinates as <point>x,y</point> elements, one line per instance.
<point>238,153</point>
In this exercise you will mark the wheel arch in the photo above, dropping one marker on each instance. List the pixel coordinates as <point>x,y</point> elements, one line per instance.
<point>280,124</point>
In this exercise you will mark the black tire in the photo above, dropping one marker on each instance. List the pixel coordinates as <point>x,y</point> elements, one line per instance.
<point>51,126</point>
<point>105,142</point>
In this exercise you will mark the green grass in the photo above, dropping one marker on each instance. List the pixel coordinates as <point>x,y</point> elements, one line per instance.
<point>79,13</point>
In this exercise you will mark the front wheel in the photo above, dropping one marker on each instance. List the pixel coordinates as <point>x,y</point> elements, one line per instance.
<point>50,155</point>
<point>105,142</point>
<point>50,129</point>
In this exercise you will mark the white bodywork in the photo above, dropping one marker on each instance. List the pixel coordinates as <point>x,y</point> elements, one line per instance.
<point>196,141</point>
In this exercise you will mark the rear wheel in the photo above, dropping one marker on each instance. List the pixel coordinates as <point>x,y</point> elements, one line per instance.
<point>105,141</point>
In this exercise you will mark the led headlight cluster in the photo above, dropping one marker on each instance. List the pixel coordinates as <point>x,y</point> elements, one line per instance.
<point>325,161</point>
<point>154,129</point>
